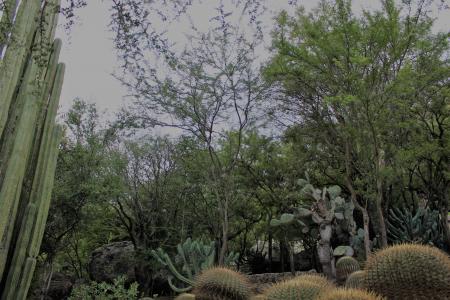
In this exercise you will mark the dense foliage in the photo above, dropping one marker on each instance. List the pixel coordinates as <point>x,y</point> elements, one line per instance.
<point>340,140</point>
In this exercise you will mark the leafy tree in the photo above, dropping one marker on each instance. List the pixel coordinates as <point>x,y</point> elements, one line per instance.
<point>211,89</point>
<point>340,77</point>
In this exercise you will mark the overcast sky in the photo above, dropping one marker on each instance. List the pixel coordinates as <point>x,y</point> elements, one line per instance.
<point>90,58</point>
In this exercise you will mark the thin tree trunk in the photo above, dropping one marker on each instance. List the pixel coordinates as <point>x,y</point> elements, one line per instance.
<point>379,201</point>
<point>282,256</point>
<point>291,256</point>
<point>354,199</point>
<point>224,246</point>
<point>270,251</point>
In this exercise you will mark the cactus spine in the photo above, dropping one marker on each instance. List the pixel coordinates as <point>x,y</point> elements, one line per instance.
<point>307,287</point>
<point>30,87</point>
<point>398,272</point>
<point>356,280</point>
<point>345,266</point>
<point>349,294</point>
<point>222,284</point>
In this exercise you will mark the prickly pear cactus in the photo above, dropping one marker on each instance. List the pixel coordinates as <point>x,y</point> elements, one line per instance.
<point>400,271</point>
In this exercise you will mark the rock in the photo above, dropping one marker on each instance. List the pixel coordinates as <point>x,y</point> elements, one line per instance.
<point>111,261</point>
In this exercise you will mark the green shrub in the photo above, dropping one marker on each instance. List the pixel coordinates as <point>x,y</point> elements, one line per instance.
<point>105,291</point>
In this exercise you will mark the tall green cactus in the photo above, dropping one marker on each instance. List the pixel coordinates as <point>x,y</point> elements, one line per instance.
<point>30,87</point>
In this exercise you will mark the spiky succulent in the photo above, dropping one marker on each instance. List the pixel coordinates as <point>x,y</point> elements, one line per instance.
<point>185,296</point>
<point>349,294</point>
<point>315,278</point>
<point>400,271</point>
<point>356,280</point>
<point>222,284</point>
<point>345,266</point>
<point>306,287</point>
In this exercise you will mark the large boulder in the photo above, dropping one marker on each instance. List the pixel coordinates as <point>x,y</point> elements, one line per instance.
<point>111,261</point>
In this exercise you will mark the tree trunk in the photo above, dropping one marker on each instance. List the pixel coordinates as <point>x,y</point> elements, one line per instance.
<point>282,256</point>
<point>379,201</point>
<point>290,251</point>
<point>366,231</point>
<point>354,198</point>
<point>270,253</point>
<point>445,226</point>
<point>325,252</point>
<point>224,245</point>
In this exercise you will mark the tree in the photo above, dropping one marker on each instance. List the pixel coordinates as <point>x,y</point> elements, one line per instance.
<point>212,89</point>
<point>338,77</point>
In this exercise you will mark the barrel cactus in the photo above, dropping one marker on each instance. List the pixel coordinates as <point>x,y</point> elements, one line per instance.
<point>345,266</point>
<point>185,296</point>
<point>356,280</point>
<point>349,294</point>
<point>316,278</point>
<point>403,270</point>
<point>299,289</point>
<point>222,284</point>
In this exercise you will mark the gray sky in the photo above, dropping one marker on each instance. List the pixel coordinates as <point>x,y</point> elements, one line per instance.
<point>90,58</point>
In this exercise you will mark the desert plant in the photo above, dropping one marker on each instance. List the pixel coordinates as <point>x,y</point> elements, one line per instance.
<point>400,271</point>
<point>105,291</point>
<point>222,284</point>
<point>345,266</point>
<point>423,226</point>
<point>329,214</point>
<point>30,87</point>
<point>356,280</point>
<point>185,296</point>
<point>349,294</point>
<point>315,278</point>
<point>192,258</point>
<point>299,288</point>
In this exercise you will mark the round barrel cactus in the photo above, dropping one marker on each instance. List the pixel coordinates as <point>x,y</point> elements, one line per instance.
<point>356,280</point>
<point>345,266</point>
<point>349,294</point>
<point>409,270</point>
<point>299,289</point>
<point>185,296</point>
<point>222,284</point>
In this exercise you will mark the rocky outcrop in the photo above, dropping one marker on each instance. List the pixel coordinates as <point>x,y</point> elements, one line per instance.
<point>111,261</point>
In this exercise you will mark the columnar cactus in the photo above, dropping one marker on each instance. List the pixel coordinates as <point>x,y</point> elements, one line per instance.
<point>30,86</point>
<point>398,272</point>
